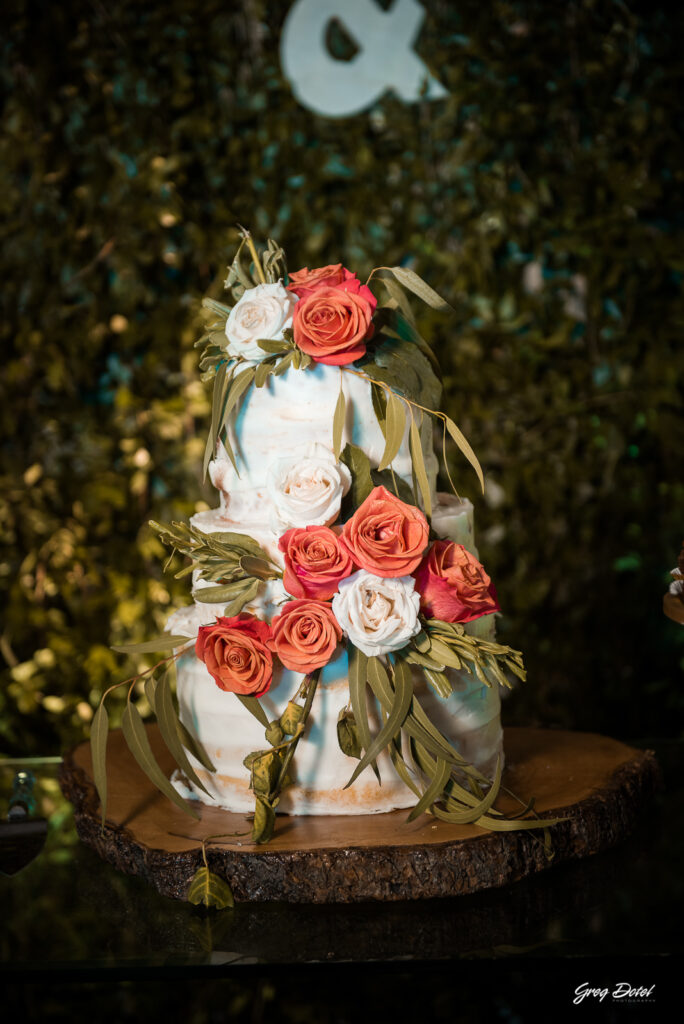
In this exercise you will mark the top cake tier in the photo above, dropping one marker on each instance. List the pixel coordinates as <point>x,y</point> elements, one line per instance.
<point>283,419</point>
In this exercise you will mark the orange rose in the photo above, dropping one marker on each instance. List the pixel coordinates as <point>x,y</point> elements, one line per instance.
<point>303,282</point>
<point>453,585</point>
<point>305,635</point>
<point>315,562</point>
<point>236,653</point>
<point>332,325</point>
<point>385,535</point>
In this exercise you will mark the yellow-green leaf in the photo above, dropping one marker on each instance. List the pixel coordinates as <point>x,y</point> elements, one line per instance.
<point>209,890</point>
<point>419,467</point>
<point>395,425</point>
<point>165,642</point>
<point>264,821</point>
<point>470,455</point>
<point>338,423</point>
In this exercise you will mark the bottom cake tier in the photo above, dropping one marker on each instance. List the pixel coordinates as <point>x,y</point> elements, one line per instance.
<point>469,718</point>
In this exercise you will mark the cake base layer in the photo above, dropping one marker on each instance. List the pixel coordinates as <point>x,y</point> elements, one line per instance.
<point>599,786</point>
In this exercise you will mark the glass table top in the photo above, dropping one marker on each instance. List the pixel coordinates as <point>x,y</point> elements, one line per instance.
<point>69,910</point>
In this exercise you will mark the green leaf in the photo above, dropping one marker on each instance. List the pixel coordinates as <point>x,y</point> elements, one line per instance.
<point>433,791</point>
<point>238,603</point>
<point>225,592</point>
<point>394,483</point>
<point>166,642</point>
<point>240,383</point>
<point>219,308</point>
<point>338,423</point>
<point>254,707</point>
<point>395,426</point>
<point>136,737</point>
<point>263,372</point>
<point>412,282</point>
<point>222,383</point>
<point>358,670</point>
<point>403,695</point>
<point>470,455</point>
<point>257,568</point>
<point>379,406</point>
<point>284,364</point>
<point>358,464</point>
<point>272,346</point>
<point>99,731</point>
<point>194,747</point>
<point>439,682</point>
<point>419,467</point>
<point>167,719</point>
<point>208,890</point>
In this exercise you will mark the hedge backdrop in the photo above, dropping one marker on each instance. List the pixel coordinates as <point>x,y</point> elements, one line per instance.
<point>543,198</point>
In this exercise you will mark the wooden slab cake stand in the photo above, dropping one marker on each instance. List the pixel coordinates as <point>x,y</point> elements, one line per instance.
<point>600,786</point>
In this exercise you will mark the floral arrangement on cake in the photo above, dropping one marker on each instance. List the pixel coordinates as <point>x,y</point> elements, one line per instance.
<point>360,565</point>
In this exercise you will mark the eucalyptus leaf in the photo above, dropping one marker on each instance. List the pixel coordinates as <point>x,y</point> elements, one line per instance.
<point>194,747</point>
<point>284,364</point>
<point>462,443</point>
<point>358,464</point>
<point>254,707</point>
<point>238,603</point>
<point>239,384</point>
<point>225,592</point>
<point>208,890</point>
<point>412,282</point>
<point>272,346</point>
<point>99,731</point>
<point>258,568</point>
<point>166,642</point>
<point>263,372</point>
<point>348,738</point>
<point>217,307</point>
<point>167,719</point>
<point>379,399</point>
<point>358,669</point>
<point>338,423</point>
<point>419,467</point>
<point>433,791</point>
<point>136,737</point>
<point>395,426</point>
<point>403,695</point>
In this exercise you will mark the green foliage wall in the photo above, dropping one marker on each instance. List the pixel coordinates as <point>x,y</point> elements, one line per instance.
<point>543,198</point>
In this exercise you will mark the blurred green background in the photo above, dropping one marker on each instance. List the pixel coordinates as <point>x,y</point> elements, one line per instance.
<point>543,198</point>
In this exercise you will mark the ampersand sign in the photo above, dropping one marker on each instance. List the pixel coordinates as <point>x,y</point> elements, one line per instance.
<point>387,60</point>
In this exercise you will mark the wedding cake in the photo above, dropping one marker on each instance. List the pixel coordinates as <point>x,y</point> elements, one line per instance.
<point>339,654</point>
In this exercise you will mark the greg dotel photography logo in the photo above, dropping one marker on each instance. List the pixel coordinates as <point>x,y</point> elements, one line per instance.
<point>622,991</point>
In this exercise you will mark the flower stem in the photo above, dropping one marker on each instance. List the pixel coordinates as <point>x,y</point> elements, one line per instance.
<point>311,683</point>
<point>253,253</point>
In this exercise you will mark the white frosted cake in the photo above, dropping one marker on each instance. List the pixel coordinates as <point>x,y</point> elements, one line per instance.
<point>287,422</point>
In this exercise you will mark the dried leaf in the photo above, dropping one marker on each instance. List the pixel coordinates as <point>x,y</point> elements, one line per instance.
<point>254,707</point>
<point>208,890</point>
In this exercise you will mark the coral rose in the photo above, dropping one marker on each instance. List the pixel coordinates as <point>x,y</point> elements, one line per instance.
<point>305,635</point>
<point>303,282</point>
<point>385,535</point>
<point>453,585</point>
<point>332,325</point>
<point>236,653</point>
<point>315,562</point>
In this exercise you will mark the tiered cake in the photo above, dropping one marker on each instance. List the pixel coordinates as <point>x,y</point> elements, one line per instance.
<point>290,414</point>
<point>340,610</point>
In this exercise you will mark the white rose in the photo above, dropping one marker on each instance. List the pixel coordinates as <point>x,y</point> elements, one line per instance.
<point>306,488</point>
<point>262,312</point>
<point>378,615</point>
